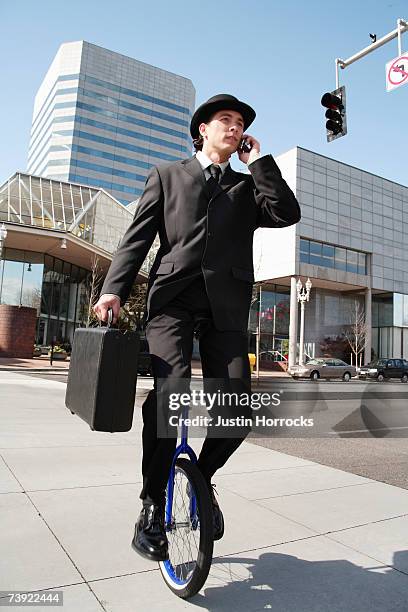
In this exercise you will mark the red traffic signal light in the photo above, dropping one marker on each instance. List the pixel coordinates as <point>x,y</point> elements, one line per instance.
<point>335,102</point>
<point>329,100</point>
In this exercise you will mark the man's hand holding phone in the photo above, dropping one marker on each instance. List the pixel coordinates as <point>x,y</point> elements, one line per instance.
<point>249,149</point>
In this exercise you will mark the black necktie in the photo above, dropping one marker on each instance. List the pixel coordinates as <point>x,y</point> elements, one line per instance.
<point>215,172</point>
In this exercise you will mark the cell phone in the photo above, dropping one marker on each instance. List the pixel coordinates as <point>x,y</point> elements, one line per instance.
<point>244,146</point>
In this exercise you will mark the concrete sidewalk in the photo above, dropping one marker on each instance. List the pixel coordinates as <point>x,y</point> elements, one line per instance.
<point>42,364</point>
<point>17,364</point>
<point>300,537</point>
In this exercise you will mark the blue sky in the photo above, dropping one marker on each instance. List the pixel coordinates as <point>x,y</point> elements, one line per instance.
<point>277,56</point>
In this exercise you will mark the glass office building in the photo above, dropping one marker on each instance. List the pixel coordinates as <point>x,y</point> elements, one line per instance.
<point>55,230</point>
<point>351,243</point>
<point>103,119</point>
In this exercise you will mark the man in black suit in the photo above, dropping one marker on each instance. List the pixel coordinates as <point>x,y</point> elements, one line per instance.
<point>200,282</point>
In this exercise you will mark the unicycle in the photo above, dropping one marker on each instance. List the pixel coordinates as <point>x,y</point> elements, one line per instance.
<point>188,524</point>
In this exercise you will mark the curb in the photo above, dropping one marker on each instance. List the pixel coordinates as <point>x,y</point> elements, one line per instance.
<point>35,370</point>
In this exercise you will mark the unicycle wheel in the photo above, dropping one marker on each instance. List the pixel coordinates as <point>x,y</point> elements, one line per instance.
<point>189,532</point>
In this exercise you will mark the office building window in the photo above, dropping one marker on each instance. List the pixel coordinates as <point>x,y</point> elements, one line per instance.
<point>329,256</point>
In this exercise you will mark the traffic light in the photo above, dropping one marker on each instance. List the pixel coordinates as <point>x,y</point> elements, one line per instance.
<point>335,102</point>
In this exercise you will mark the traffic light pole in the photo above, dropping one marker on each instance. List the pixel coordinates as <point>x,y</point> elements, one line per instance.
<point>402,26</point>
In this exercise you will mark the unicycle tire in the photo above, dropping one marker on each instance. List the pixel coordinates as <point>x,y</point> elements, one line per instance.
<point>199,546</point>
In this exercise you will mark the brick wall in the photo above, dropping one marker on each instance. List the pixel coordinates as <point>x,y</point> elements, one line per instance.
<point>17,331</point>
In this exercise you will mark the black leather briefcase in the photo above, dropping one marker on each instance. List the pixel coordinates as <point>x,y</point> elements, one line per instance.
<point>102,377</point>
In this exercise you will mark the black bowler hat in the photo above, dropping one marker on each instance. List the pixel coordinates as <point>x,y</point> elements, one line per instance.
<point>216,103</point>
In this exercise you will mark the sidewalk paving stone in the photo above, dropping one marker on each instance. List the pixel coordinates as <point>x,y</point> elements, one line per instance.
<point>263,483</point>
<point>105,516</point>
<point>250,460</point>
<point>73,467</point>
<point>314,575</point>
<point>8,482</point>
<point>76,597</point>
<point>31,557</point>
<point>342,508</point>
<point>42,420</point>
<point>96,526</point>
<point>385,540</point>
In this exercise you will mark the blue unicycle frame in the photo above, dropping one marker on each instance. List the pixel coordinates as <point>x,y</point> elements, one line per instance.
<point>182,448</point>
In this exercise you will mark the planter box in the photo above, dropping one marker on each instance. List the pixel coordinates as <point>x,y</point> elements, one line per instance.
<point>17,331</point>
<point>58,356</point>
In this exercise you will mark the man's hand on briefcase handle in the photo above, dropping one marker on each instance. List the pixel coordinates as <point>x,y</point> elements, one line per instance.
<point>106,301</point>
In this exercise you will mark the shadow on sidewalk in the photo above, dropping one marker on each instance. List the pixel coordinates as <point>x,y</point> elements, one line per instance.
<point>285,583</point>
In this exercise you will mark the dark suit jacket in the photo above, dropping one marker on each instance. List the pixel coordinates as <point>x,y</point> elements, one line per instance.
<point>200,234</point>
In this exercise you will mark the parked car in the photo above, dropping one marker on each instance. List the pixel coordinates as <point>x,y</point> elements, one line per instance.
<point>323,367</point>
<point>383,369</point>
<point>144,365</point>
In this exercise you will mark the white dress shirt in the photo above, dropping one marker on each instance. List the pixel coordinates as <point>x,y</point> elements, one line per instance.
<point>205,162</point>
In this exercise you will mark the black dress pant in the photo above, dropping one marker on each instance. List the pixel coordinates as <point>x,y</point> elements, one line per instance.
<point>224,355</point>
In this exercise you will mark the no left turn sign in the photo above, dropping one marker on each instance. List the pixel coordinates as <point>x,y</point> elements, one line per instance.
<point>396,72</point>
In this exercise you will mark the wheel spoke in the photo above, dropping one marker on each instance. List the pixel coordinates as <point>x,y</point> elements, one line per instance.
<point>182,537</point>
<point>189,532</point>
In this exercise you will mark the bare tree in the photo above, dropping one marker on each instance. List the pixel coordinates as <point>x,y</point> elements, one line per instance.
<point>94,282</point>
<point>32,297</point>
<point>151,256</point>
<point>133,311</point>
<point>356,333</point>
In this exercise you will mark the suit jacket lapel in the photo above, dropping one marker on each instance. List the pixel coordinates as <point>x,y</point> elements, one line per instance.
<point>228,179</point>
<point>193,167</point>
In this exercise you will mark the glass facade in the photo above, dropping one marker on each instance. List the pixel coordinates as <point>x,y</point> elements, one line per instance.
<point>98,168</point>
<point>330,256</point>
<point>40,143</point>
<point>135,163</point>
<point>382,310</point>
<point>56,288</point>
<point>112,142</point>
<point>270,311</point>
<point>111,104</point>
<point>354,209</point>
<point>390,325</point>
<point>89,221</point>
<point>64,301</point>
<point>108,185</point>
<point>327,316</point>
<point>87,213</point>
<point>400,310</point>
<point>21,274</point>
<point>353,232</point>
<point>48,103</point>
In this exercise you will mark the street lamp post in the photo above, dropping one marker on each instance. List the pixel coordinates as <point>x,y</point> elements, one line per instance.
<point>3,236</point>
<point>258,333</point>
<point>303,294</point>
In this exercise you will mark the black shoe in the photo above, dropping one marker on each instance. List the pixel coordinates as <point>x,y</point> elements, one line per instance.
<point>218,518</point>
<point>150,538</point>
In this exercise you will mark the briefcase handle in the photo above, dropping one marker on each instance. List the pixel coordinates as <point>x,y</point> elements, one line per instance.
<point>110,318</point>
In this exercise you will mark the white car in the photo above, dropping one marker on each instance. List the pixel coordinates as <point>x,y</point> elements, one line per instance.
<point>323,367</point>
